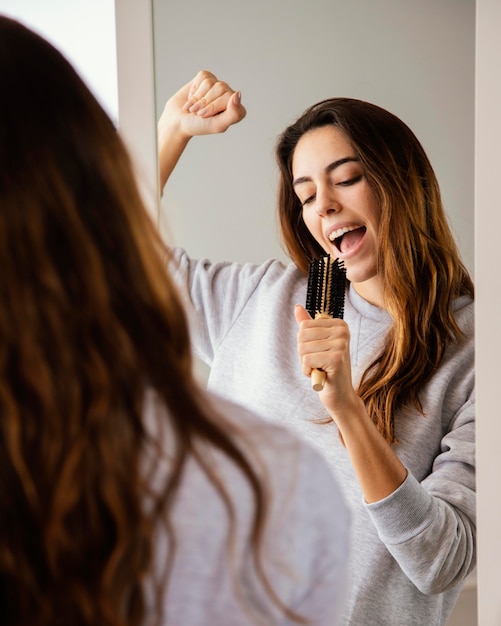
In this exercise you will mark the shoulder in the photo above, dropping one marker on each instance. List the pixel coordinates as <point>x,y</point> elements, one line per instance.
<point>291,464</point>
<point>305,543</point>
<point>298,476</point>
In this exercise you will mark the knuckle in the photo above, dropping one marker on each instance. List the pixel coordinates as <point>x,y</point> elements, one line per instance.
<point>204,74</point>
<point>207,83</point>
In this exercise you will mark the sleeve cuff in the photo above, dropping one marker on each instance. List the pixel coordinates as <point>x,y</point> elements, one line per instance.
<point>403,514</point>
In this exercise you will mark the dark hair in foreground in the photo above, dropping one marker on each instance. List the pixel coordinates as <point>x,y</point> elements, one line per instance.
<point>418,257</point>
<point>89,319</point>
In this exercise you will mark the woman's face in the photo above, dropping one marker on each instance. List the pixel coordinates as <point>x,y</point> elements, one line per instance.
<point>339,207</point>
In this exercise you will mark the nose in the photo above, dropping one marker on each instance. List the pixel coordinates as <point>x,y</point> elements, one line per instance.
<point>326,201</point>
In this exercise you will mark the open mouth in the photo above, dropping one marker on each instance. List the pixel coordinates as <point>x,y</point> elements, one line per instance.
<point>345,239</point>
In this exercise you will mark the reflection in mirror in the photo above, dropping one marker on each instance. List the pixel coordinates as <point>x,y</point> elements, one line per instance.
<point>414,59</point>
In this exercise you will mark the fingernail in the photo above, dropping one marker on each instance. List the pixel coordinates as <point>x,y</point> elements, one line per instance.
<point>238,97</point>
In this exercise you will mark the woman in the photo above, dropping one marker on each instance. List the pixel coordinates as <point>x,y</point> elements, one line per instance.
<point>396,415</point>
<point>129,495</point>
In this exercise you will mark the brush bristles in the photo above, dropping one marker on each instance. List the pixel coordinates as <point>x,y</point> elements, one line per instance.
<point>326,287</point>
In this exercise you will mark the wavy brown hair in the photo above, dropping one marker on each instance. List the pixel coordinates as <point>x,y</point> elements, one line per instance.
<point>418,258</point>
<point>89,320</point>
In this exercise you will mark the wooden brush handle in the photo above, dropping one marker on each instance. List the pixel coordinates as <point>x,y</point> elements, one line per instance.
<point>318,379</point>
<point>318,376</point>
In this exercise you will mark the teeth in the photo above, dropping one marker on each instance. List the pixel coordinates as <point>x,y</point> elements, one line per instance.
<point>341,231</point>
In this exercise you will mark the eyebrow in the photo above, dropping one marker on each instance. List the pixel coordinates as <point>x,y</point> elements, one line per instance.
<point>331,167</point>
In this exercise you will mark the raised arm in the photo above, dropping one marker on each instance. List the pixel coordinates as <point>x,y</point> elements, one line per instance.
<point>203,106</point>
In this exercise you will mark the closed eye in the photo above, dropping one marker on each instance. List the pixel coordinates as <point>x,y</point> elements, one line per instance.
<point>350,181</point>
<point>342,183</point>
<point>307,201</point>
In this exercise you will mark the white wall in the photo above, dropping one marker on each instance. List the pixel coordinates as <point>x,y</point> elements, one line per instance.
<point>84,31</point>
<point>488,311</point>
<point>95,36</point>
<point>136,93</point>
<point>414,58</point>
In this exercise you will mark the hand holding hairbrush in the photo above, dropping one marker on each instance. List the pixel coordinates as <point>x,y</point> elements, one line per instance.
<point>325,298</point>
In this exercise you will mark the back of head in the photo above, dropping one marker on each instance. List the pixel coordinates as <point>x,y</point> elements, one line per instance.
<point>88,318</point>
<point>89,322</point>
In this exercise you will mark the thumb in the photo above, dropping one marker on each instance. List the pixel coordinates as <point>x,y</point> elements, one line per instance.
<point>236,107</point>
<point>301,314</point>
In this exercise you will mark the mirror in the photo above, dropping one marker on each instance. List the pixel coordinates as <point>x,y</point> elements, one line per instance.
<point>415,59</point>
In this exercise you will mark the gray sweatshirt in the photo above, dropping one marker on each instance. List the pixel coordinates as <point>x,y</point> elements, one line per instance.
<point>411,551</point>
<point>305,543</point>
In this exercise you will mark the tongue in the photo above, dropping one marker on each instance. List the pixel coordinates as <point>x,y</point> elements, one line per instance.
<point>351,239</point>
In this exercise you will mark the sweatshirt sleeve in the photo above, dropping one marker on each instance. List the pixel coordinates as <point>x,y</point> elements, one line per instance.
<point>429,526</point>
<point>214,295</point>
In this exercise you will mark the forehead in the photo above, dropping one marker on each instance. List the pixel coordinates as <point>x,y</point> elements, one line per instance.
<point>318,147</point>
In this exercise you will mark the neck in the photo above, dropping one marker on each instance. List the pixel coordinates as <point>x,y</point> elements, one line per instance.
<point>371,290</point>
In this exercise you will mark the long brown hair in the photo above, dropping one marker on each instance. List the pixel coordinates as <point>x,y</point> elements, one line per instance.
<point>89,319</point>
<point>418,257</point>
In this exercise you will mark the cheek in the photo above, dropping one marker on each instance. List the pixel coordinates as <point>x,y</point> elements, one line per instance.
<point>314,229</point>
<point>310,222</point>
<point>306,219</point>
